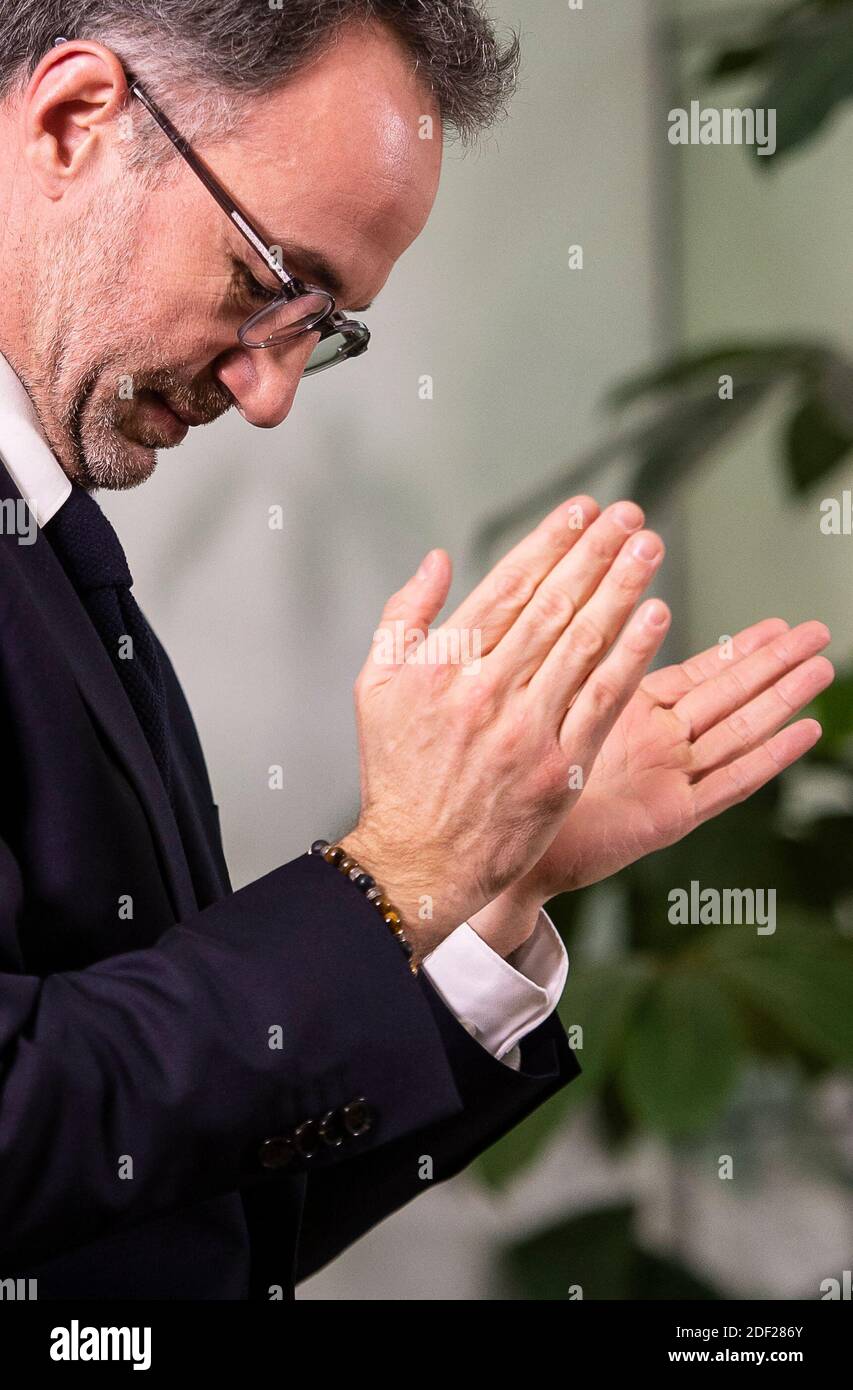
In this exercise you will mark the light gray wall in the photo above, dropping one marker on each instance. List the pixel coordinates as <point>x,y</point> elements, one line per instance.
<point>267,629</point>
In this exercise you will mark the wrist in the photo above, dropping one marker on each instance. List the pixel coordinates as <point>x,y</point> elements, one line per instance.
<point>409,898</point>
<point>508,921</point>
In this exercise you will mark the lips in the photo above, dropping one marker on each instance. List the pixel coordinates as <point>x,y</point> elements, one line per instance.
<point>187,417</point>
<point>162,416</point>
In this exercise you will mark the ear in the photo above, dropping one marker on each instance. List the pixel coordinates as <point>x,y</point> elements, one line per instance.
<point>71,100</point>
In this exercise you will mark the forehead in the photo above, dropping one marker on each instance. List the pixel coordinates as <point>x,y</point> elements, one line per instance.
<point>337,159</point>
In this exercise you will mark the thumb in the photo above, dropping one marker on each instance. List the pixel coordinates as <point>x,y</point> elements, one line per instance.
<point>427,590</point>
<point>409,611</point>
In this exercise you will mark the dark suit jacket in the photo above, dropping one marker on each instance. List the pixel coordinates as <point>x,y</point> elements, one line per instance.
<point>140,1100</point>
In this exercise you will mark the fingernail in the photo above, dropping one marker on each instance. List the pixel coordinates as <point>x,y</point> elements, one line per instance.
<point>656,615</point>
<point>427,566</point>
<point>646,547</point>
<point>628,515</point>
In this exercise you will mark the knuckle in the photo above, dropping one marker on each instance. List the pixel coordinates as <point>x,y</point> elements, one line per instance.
<point>740,727</point>
<point>394,606</point>
<point>554,606</point>
<point>735,688</point>
<point>480,696</point>
<point>637,639</point>
<point>439,675</point>
<point>604,696</point>
<point>514,729</point>
<point>740,788</point>
<point>513,585</point>
<point>601,542</point>
<point>586,638</point>
<point>550,780</point>
<point>628,577</point>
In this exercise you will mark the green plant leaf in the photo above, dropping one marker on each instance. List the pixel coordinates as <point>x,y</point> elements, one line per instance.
<point>811,73</point>
<point>597,1253</point>
<point>733,61</point>
<point>801,981</point>
<point>686,434</point>
<point>833,707</point>
<point>834,387</point>
<point>681,1055</point>
<point>599,999</point>
<point>814,444</point>
<point>503,1162</point>
<point>690,422</point>
<point>699,371</point>
<point>741,847</point>
<point>593,1251</point>
<point>822,861</point>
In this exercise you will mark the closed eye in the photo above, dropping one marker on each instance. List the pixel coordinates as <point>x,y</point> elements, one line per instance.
<point>257,290</point>
<point>264,295</point>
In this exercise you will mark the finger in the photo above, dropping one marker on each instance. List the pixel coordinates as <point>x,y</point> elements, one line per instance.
<point>609,688</point>
<point>717,698</point>
<point>763,716</point>
<point>406,617</point>
<point>563,592</point>
<point>493,606</point>
<point>593,631</point>
<point>670,683</point>
<point>729,785</point>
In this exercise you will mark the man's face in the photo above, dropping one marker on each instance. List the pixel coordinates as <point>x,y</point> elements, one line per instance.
<point>138,294</point>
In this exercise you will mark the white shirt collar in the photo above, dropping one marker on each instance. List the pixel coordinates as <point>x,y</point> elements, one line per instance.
<point>34,468</point>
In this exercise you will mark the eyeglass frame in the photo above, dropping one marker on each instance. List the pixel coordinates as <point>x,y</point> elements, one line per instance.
<point>327,323</point>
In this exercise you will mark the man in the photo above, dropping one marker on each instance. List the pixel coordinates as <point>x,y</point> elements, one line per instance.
<point>208,1094</point>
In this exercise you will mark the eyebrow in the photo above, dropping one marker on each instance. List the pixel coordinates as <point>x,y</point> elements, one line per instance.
<point>319,270</point>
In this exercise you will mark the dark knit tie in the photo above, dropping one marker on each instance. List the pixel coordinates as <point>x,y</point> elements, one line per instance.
<point>91,554</point>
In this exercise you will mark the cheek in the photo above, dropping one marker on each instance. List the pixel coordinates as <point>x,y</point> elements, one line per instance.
<point>186,277</point>
<point>183,305</point>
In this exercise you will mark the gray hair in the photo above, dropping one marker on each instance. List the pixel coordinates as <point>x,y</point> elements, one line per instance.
<point>202,60</point>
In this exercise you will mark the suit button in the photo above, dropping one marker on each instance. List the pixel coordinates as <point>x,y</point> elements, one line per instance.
<point>329,1130</point>
<point>305,1138</point>
<point>357,1117</point>
<point>277,1152</point>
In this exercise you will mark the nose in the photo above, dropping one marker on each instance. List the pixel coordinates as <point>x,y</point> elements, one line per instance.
<point>263,381</point>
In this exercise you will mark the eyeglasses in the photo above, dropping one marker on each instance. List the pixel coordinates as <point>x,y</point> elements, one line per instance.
<point>295,308</point>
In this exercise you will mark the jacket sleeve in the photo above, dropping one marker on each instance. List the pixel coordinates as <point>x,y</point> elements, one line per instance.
<point>344,1201</point>
<point>156,1078</point>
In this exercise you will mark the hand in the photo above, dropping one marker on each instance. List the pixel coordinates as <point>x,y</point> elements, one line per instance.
<point>695,739</point>
<point>469,770</point>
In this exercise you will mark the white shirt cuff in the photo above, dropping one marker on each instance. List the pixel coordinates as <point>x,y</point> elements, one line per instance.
<point>500,1001</point>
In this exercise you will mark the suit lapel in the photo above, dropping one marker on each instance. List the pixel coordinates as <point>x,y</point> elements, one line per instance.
<point>105,698</point>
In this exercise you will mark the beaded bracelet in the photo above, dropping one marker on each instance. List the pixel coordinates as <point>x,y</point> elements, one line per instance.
<point>337,856</point>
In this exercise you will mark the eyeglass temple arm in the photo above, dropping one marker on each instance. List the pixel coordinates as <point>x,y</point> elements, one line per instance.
<point>212,185</point>
<point>214,188</point>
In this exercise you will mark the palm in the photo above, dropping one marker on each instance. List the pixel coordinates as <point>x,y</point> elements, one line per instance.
<point>694,739</point>
<point>639,796</point>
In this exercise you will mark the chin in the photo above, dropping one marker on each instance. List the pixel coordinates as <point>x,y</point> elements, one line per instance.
<point>115,462</point>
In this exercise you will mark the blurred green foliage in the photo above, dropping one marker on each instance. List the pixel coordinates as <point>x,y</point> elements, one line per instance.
<point>669,1021</point>
<point>597,1253</point>
<point>802,55</point>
